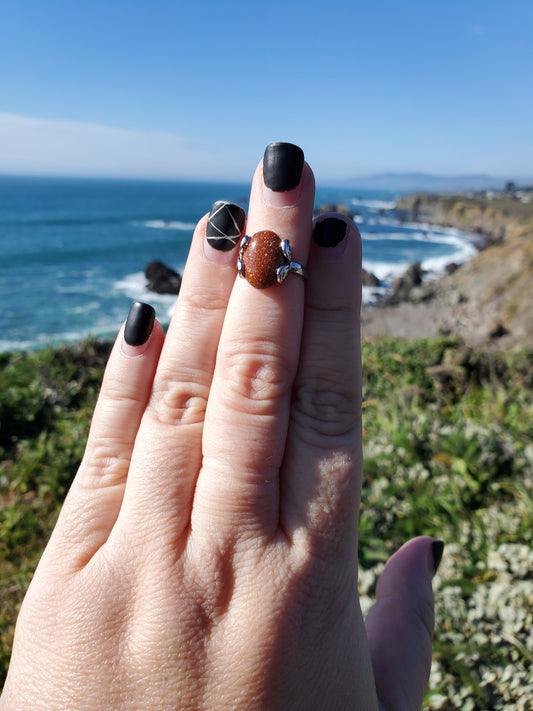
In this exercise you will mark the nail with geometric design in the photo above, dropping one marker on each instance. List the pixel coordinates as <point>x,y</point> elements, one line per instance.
<point>225,225</point>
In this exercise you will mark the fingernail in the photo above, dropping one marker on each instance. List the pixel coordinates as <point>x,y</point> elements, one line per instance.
<point>437,548</point>
<point>329,232</point>
<point>225,227</point>
<point>283,165</point>
<point>139,326</point>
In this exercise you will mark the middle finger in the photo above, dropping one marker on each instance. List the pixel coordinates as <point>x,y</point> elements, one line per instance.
<point>249,403</point>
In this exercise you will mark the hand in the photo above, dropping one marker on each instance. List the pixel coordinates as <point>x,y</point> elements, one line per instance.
<point>206,554</point>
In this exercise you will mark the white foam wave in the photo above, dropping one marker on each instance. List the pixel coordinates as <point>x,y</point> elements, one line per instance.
<point>166,224</point>
<point>91,306</point>
<point>439,232</point>
<point>385,271</point>
<point>134,286</point>
<point>372,294</point>
<point>438,264</point>
<point>16,345</point>
<point>381,221</point>
<point>392,236</point>
<point>43,340</point>
<point>375,204</point>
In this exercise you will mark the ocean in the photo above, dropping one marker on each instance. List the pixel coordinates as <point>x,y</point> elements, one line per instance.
<point>73,251</point>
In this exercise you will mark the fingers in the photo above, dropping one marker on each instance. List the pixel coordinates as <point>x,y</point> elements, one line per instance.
<point>321,476</point>
<point>400,624</point>
<point>249,404</point>
<point>93,503</point>
<point>167,455</point>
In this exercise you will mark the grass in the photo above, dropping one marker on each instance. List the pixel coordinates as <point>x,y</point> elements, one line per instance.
<point>448,452</point>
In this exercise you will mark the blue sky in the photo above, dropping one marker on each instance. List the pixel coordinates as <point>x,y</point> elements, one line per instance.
<point>172,88</point>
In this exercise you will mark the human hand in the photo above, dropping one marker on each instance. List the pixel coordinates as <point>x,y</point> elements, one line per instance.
<point>206,554</point>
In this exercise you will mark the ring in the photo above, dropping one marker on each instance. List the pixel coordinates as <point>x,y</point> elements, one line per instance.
<point>265,259</point>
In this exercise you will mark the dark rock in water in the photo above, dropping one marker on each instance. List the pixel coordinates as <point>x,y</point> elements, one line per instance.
<point>162,279</point>
<point>404,285</point>
<point>370,279</point>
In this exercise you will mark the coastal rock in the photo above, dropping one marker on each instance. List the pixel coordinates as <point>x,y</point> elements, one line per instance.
<point>402,287</point>
<point>497,330</point>
<point>473,214</point>
<point>451,267</point>
<point>488,299</point>
<point>162,279</point>
<point>341,208</point>
<point>370,279</point>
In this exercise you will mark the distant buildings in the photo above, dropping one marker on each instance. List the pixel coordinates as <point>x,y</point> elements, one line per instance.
<point>510,192</point>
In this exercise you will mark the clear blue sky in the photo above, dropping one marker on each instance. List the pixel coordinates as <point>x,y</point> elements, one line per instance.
<point>180,88</point>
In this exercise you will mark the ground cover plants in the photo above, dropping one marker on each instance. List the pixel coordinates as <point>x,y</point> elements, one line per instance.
<point>448,452</point>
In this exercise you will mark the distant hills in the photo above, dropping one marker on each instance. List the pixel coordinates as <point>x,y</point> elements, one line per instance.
<point>426,182</point>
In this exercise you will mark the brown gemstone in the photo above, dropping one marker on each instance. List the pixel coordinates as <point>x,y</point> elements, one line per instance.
<point>261,258</point>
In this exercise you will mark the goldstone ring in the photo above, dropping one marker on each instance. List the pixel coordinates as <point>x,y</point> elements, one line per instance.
<point>265,259</point>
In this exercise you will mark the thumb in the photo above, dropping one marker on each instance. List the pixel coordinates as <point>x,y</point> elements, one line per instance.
<point>400,625</point>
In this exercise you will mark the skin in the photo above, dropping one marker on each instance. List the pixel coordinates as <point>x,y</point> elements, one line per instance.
<point>206,554</point>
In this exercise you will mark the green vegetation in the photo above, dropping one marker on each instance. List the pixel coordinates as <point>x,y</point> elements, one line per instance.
<point>448,452</point>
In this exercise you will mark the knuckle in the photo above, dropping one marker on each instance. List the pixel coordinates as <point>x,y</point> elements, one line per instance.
<point>114,394</point>
<point>338,317</point>
<point>325,406</point>
<point>256,383</point>
<point>193,301</point>
<point>106,464</point>
<point>179,404</point>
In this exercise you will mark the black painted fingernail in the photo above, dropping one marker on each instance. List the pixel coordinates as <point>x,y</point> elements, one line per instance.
<point>225,225</point>
<point>283,164</point>
<point>329,232</point>
<point>139,324</point>
<point>437,548</point>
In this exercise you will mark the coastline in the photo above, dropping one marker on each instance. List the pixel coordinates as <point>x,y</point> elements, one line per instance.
<point>487,300</point>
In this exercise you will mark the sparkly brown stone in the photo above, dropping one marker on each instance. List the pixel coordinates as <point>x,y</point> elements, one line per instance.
<point>261,258</point>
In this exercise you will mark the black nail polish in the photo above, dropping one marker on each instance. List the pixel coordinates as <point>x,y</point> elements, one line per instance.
<point>329,232</point>
<point>139,324</point>
<point>225,225</point>
<point>283,164</point>
<point>437,548</point>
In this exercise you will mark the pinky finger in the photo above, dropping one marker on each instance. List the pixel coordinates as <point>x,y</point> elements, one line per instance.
<point>94,500</point>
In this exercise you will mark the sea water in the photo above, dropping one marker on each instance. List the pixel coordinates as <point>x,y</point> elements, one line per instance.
<point>73,251</point>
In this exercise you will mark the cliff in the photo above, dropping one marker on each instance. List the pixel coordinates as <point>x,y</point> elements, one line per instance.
<point>487,299</point>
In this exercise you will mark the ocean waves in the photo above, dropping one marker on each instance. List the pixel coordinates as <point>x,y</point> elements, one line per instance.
<point>74,252</point>
<point>166,225</point>
<point>37,221</point>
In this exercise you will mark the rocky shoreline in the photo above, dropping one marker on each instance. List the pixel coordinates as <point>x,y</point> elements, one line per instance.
<point>487,300</point>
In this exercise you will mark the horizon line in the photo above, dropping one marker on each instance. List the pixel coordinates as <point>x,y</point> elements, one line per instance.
<point>333,182</point>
